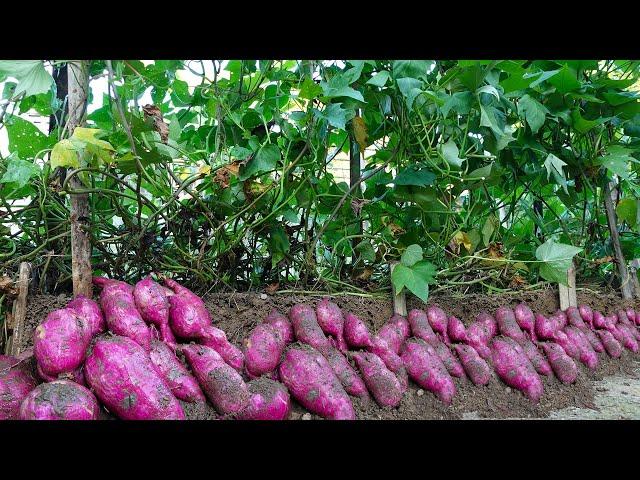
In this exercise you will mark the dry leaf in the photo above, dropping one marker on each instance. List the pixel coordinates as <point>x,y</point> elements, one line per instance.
<point>517,281</point>
<point>357,204</point>
<point>224,173</point>
<point>360,132</point>
<point>461,238</point>
<point>600,261</point>
<point>396,229</point>
<point>8,286</point>
<point>363,275</point>
<point>153,112</point>
<point>272,288</point>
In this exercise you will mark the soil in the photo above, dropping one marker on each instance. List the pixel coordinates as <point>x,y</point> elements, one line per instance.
<point>238,313</point>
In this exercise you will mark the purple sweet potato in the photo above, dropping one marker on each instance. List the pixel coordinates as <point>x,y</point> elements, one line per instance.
<point>565,342</point>
<point>392,360</point>
<point>420,327</point>
<point>628,339</point>
<point>438,321</point>
<point>268,400</point>
<point>381,382</point>
<point>182,384</point>
<point>425,367</point>
<point>120,312</point>
<point>479,333</point>
<point>348,377</point>
<point>76,376</point>
<point>507,324</point>
<point>90,311</point>
<point>474,366</point>
<point>587,354</point>
<point>545,327</point>
<point>599,320</point>
<point>188,316</point>
<point>356,333</point>
<point>456,330</point>
<point>536,358</point>
<point>560,319</point>
<point>61,341</point>
<point>575,319</point>
<point>526,319</point>
<point>515,369</point>
<point>563,366</point>
<point>311,381</point>
<point>153,305</point>
<point>595,342</point>
<point>216,338</point>
<point>282,326</point>
<point>182,290</point>
<point>586,312</point>
<point>632,316</point>
<point>451,363</point>
<point>222,384</point>
<point>622,317</point>
<point>611,345</point>
<point>60,400</point>
<point>331,321</point>
<point>16,381</point>
<point>395,332</point>
<point>122,376</point>
<point>262,350</point>
<point>306,328</point>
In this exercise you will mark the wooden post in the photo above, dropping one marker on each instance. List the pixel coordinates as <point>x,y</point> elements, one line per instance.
<point>399,299</point>
<point>78,76</point>
<point>635,263</point>
<point>19,312</point>
<point>568,296</point>
<point>625,284</point>
<point>354,177</point>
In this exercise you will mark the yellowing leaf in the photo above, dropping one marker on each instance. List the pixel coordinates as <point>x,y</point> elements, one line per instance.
<point>360,132</point>
<point>88,135</point>
<point>204,169</point>
<point>461,238</point>
<point>64,154</point>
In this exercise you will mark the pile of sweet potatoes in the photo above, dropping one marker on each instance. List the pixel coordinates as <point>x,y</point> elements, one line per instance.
<point>142,350</point>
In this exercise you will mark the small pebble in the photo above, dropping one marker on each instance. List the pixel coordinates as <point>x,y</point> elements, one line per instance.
<point>306,416</point>
<point>508,390</point>
<point>420,392</point>
<point>263,296</point>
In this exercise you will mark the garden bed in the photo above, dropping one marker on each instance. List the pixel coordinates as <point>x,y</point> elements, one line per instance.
<point>238,313</point>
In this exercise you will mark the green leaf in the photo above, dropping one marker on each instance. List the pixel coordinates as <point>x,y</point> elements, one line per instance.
<point>415,278</point>
<point>88,135</point>
<point>411,255</point>
<point>309,89</point>
<point>379,79</point>
<point>627,210</point>
<point>451,154</point>
<point>264,161</point>
<point>617,161</point>
<point>488,89</point>
<point>366,251</point>
<point>556,259</point>
<point>582,125</point>
<point>25,138</point>
<point>533,112</point>
<point>240,153</point>
<point>411,68</point>
<point>64,154</point>
<point>565,81</point>
<point>334,89</point>
<point>19,172</point>
<point>414,175</point>
<point>494,119</point>
<point>32,77</point>
<point>278,244</point>
<point>490,226</point>
<point>336,116</point>
<point>410,89</point>
<point>554,167</point>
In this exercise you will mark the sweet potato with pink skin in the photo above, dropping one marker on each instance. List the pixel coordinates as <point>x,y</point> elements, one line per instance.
<point>536,358</point>
<point>216,338</point>
<point>474,366</point>
<point>456,330</point>
<point>595,342</point>
<point>391,359</point>
<point>90,311</point>
<point>311,381</point>
<point>349,378</point>
<point>61,341</point>
<point>545,327</point>
<point>306,328</point>
<point>513,368</point>
<point>563,366</point>
<point>282,326</point>
<point>575,319</point>
<point>121,375</point>
<point>153,305</point>
<point>268,400</point>
<point>507,324</point>
<point>632,316</point>
<point>586,312</point>
<point>60,400</point>
<point>120,312</point>
<point>395,332</point>
<point>560,319</point>
<point>587,355</point>
<point>381,382</point>
<point>262,350</point>
<point>182,384</point>
<point>222,384</point>
<point>628,338</point>
<point>438,321</point>
<point>331,321</point>
<point>426,369</point>
<point>563,340</point>
<point>76,376</point>
<point>420,327</point>
<point>611,345</point>
<point>356,333</point>
<point>181,290</point>
<point>188,316</point>
<point>478,336</point>
<point>451,363</point>
<point>622,317</point>
<point>16,381</point>
<point>525,319</point>
<point>599,320</point>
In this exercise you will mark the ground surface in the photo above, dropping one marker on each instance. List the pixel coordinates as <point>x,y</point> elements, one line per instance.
<point>612,391</point>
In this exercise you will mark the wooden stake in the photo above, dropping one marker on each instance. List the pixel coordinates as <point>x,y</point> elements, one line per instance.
<point>78,74</point>
<point>625,284</point>
<point>635,263</point>
<point>568,296</point>
<point>19,310</point>
<point>399,299</point>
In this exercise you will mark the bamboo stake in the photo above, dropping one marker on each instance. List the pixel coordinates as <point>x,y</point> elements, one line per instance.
<point>19,310</point>
<point>625,284</point>
<point>568,295</point>
<point>399,299</point>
